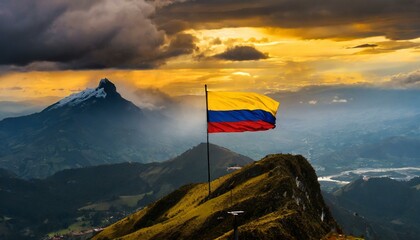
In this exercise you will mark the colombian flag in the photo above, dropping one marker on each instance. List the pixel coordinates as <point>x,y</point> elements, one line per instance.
<point>240,112</point>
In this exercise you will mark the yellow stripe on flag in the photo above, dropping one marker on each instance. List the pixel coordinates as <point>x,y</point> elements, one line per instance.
<point>225,101</point>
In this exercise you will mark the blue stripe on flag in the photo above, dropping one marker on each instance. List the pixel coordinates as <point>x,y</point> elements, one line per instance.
<point>241,115</point>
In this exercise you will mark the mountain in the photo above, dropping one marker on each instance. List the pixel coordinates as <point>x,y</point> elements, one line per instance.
<point>351,96</point>
<point>92,127</point>
<point>13,109</point>
<point>395,151</point>
<point>191,166</point>
<point>93,196</point>
<point>6,174</point>
<point>378,208</point>
<point>279,194</point>
<point>323,123</point>
<point>157,179</point>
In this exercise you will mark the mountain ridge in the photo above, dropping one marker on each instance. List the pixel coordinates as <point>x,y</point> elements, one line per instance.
<point>378,208</point>
<point>96,193</point>
<point>290,206</point>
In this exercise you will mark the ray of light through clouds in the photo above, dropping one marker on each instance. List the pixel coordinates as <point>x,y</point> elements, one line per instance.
<point>178,46</point>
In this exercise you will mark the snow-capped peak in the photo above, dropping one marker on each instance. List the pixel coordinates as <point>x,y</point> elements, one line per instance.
<point>105,89</point>
<point>77,98</point>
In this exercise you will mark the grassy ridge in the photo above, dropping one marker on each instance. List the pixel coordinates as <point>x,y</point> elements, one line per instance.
<point>279,194</point>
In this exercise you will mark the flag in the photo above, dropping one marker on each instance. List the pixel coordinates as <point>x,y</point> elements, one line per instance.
<point>240,112</point>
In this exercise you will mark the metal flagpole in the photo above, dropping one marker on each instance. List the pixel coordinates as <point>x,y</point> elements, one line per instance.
<point>208,151</point>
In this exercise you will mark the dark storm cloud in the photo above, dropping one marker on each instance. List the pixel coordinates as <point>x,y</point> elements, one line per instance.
<point>395,19</point>
<point>241,53</point>
<point>79,34</point>
<point>179,45</point>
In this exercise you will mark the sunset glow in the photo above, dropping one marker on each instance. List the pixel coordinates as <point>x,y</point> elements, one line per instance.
<point>294,56</point>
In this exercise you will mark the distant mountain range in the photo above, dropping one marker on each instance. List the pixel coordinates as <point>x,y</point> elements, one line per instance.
<point>325,122</point>
<point>279,196</point>
<point>92,127</point>
<point>332,126</point>
<point>94,195</point>
<point>378,208</point>
<point>398,151</point>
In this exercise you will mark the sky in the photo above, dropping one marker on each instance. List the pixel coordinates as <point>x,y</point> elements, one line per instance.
<point>50,49</point>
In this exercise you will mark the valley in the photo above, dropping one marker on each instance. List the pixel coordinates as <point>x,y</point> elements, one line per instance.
<point>89,178</point>
<point>82,199</point>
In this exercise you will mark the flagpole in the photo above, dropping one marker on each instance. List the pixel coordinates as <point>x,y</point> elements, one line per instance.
<point>208,151</point>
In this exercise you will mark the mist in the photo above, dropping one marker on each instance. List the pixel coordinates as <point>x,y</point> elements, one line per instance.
<point>316,122</point>
<point>313,122</point>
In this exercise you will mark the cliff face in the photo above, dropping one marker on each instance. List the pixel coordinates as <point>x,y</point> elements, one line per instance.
<point>280,197</point>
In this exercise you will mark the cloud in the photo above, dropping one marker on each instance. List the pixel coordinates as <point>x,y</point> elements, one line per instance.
<point>245,74</point>
<point>394,19</point>
<point>367,45</point>
<point>339,100</point>
<point>405,80</point>
<point>140,34</point>
<point>313,102</point>
<point>163,3</point>
<point>152,98</point>
<point>241,53</point>
<point>216,41</point>
<point>77,34</point>
<point>15,88</point>
<point>387,46</point>
<point>180,44</point>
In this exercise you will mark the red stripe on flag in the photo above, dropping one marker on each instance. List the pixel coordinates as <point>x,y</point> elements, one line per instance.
<point>242,126</point>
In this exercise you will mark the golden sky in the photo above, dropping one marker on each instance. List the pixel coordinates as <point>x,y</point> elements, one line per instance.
<point>178,46</point>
